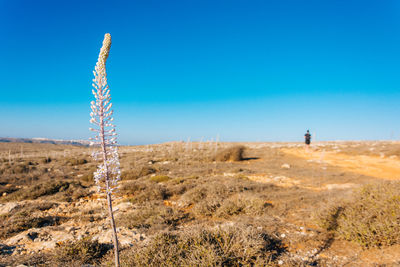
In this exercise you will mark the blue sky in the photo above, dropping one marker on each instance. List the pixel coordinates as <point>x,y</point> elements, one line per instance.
<point>243,70</point>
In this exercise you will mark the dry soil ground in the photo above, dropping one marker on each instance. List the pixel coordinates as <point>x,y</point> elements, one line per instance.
<point>47,198</point>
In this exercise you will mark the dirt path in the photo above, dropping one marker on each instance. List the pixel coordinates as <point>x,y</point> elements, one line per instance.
<point>383,168</point>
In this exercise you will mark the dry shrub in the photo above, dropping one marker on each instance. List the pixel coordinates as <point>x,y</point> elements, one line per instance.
<point>222,246</point>
<point>79,252</point>
<point>371,219</point>
<point>21,168</point>
<point>160,178</point>
<point>68,191</point>
<point>75,161</point>
<point>46,160</point>
<point>7,189</point>
<point>129,175</point>
<point>16,259</point>
<point>220,207</point>
<point>153,216</point>
<point>144,190</point>
<point>250,205</point>
<point>234,153</point>
<point>230,197</point>
<point>134,174</point>
<point>205,191</point>
<point>146,171</point>
<point>87,177</point>
<point>25,217</point>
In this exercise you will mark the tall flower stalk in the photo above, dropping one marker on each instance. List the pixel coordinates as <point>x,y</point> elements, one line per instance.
<point>108,172</point>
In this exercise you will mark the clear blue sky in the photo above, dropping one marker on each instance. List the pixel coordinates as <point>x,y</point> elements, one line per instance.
<point>246,70</point>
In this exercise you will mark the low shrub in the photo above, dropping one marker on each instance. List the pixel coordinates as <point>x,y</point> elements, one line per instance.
<point>129,175</point>
<point>160,178</point>
<point>70,191</point>
<point>146,171</point>
<point>13,224</point>
<point>144,190</point>
<point>46,160</point>
<point>78,252</point>
<point>153,215</point>
<point>234,153</point>
<point>251,205</point>
<point>87,177</point>
<point>21,168</point>
<point>371,219</point>
<point>76,161</point>
<point>222,246</point>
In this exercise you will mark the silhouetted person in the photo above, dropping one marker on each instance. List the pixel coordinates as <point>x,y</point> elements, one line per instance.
<point>307,138</point>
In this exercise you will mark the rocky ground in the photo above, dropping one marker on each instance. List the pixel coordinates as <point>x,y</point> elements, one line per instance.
<point>48,200</point>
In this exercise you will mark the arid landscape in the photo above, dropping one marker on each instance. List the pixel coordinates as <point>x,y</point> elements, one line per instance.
<point>204,204</point>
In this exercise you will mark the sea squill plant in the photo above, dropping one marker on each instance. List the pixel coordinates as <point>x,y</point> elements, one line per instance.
<point>108,172</point>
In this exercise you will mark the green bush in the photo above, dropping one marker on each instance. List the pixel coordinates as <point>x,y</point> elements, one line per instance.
<point>372,219</point>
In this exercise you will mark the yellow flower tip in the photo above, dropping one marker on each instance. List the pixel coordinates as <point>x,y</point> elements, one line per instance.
<point>107,41</point>
<point>105,49</point>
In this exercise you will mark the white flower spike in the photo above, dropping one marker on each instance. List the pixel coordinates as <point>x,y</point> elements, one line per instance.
<point>108,172</point>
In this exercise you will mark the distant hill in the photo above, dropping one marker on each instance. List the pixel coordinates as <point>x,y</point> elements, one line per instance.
<point>44,141</point>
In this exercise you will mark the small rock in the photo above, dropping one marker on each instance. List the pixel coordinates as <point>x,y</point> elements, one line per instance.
<point>32,235</point>
<point>285,166</point>
<point>4,194</point>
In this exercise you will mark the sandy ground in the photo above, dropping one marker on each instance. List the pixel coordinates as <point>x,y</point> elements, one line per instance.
<point>378,167</point>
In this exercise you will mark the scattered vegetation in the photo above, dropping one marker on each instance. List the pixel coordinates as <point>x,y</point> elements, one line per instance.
<point>26,217</point>
<point>194,208</point>
<point>66,191</point>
